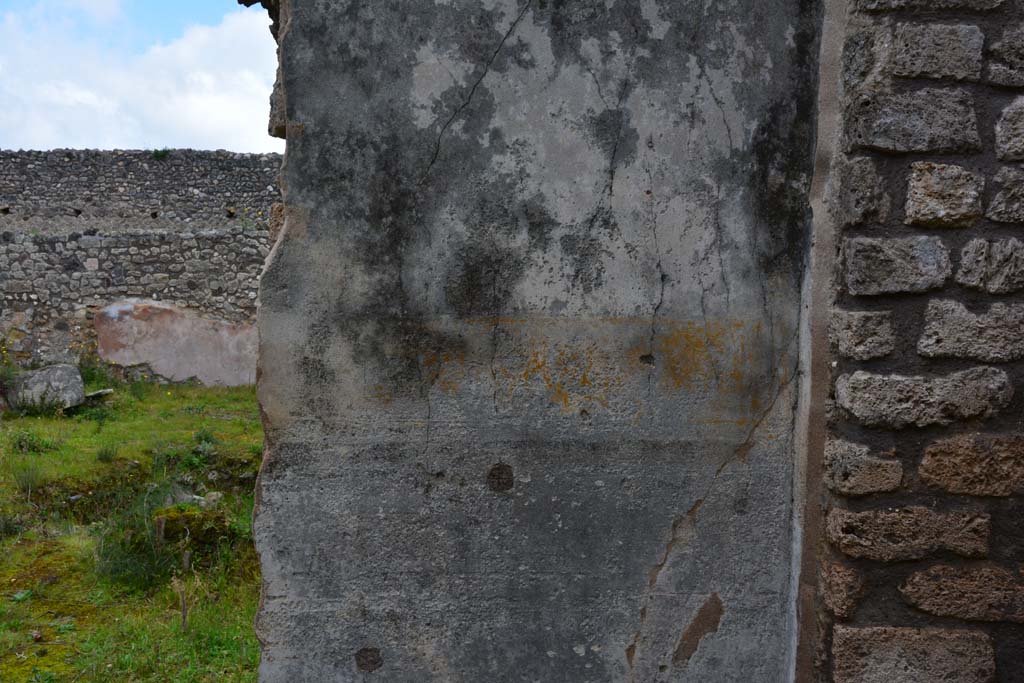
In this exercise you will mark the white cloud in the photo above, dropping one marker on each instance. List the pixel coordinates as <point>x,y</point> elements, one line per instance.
<point>209,89</point>
<point>98,10</point>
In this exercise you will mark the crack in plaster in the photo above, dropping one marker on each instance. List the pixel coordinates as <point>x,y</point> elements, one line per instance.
<point>472,90</point>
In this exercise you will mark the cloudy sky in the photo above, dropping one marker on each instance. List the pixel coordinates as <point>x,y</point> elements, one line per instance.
<point>135,74</point>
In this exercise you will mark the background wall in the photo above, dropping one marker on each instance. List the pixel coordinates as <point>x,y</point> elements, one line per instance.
<point>83,229</point>
<point>924,462</point>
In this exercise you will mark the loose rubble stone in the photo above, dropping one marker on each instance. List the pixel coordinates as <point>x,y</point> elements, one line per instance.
<point>951,331</point>
<point>938,51</point>
<point>841,588</point>
<point>856,193</point>
<point>928,120</point>
<point>941,195</point>
<point>887,654</point>
<point>210,500</point>
<point>979,593</point>
<point>851,470</point>
<point>898,401</point>
<point>993,266</point>
<point>889,266</point>
<point>907,533</point>
<point>1010,132</point>
<point>862,335</point>
<point>1006,66</point>
<point>1008,204</point>
<point>976,464</point>
<point>55,386</point>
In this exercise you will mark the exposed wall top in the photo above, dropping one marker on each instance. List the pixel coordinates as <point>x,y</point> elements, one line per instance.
<point>65,190</point>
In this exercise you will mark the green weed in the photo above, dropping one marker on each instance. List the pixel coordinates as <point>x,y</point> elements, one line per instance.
<point>204,435</point>
<point>28,441</point>
<point>27,475</point>
<point>106,453</point>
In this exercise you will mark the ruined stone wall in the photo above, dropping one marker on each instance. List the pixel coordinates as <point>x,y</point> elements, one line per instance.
<point>69,190</point>
<point>923,465</point>
<point>82,229</point>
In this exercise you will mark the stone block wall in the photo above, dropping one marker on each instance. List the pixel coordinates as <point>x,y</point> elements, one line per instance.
<point>82,229</point>
<point>69,190</point>
<point>920,565</point>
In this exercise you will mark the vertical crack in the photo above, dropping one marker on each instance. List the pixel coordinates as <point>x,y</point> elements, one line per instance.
<point>659,267</point>
<point>597,82</point>
<point>718,103</point>
<point>609,185</point>
<point>472,91</point>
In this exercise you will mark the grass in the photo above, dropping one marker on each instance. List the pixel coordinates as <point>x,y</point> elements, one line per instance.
<point>137,426</point>
<point>28,441</point>
<point>106,453</point>
<point>101,538</point>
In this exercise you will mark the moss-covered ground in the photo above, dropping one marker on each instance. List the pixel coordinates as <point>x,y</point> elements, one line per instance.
<point>113,568</point>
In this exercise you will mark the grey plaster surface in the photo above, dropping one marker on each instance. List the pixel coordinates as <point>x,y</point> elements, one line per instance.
<point>529,341</point>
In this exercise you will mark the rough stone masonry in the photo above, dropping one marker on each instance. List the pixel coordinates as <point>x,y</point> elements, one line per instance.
<point>923,520</point>
<point>529,340</point>
<point>532,338</point>
<point>184,232</point>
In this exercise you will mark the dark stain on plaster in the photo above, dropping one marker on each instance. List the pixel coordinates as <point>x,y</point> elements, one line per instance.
<point>612,133</point>
<point>583,254</point>
<point>384,329</point>
<point>369,659</point>
<point>482,279</point>
<point>573,22</point>
<point>782,161</point>
<point>539,223</point>
<point>706,622</point>
<point>500,478</point>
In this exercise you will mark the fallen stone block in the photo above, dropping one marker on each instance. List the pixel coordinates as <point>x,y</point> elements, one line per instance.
<point>53,387</point>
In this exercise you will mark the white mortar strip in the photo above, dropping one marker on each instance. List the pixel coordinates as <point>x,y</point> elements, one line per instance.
<point>816,298</point>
